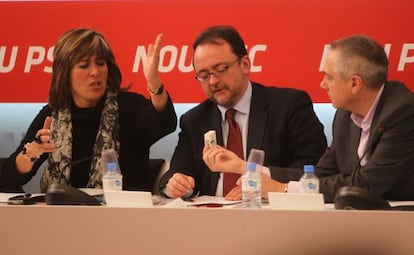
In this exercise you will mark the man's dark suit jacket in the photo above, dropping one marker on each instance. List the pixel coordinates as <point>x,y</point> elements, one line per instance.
<point>281,122</point>
<point>389,171</point>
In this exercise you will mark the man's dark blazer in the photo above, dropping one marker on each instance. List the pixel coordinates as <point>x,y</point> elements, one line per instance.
<point>281,122</point>
<point>389,171</point>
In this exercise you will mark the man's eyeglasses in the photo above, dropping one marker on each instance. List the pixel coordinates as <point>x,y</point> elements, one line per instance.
<point>218,71</point>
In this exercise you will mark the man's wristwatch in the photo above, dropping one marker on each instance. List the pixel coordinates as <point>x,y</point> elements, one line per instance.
<point>157,91</point>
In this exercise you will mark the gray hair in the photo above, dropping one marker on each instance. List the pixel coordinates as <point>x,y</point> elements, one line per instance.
<point>362,56</point>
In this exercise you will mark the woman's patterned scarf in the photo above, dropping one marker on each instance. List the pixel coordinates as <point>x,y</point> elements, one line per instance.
<point>59,162</point>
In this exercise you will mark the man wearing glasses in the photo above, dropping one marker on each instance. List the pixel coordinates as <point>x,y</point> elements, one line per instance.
<point>279,121</point>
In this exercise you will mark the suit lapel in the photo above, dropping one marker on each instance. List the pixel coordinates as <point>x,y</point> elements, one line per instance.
<point>257,119</point>
<point>355,135</point>
<point>377,125</point>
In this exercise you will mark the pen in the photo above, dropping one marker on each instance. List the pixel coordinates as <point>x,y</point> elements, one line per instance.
<point>187,199</point>
<point>211,205</point>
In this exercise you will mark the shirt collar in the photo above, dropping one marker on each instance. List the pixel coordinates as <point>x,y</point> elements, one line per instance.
<point>366,121</point>
<point>243,105</point>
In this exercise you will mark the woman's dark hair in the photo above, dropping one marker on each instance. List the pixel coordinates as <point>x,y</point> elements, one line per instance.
<point>70,48</point>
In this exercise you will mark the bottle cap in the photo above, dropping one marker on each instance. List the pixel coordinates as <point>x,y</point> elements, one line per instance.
<point>112,166</point>
<point>309,168</point>
<point>256,156</point>
<point>251,166</point>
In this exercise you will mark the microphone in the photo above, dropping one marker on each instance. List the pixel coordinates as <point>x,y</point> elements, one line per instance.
<point>81,160</point>
<point>64,194</point>
<point>355,197</point>
<point>77,162</point>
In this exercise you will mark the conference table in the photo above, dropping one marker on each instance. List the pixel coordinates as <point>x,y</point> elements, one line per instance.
<point>57,229</point>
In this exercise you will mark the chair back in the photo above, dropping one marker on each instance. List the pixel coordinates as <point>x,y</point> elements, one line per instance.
<point>157,168</point>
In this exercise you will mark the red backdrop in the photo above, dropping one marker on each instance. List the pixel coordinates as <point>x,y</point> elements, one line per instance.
<point>285,38</point>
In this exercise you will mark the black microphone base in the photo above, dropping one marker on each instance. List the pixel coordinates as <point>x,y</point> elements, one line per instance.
<point>352,197</point>
<point>62,194</point>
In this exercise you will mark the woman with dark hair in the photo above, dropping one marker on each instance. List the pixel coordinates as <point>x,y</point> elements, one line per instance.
<point>89,112</point>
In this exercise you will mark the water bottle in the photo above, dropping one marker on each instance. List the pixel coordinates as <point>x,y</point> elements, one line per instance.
<point>251,187</point>
<point>252,180</point>
<point>309,182</point>
<point>112,178</point>
<point>111,174</point>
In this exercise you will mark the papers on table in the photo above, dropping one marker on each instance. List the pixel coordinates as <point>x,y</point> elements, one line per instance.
<point>4,197</point>
<point>92,191</point>
<point>205,201</point>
